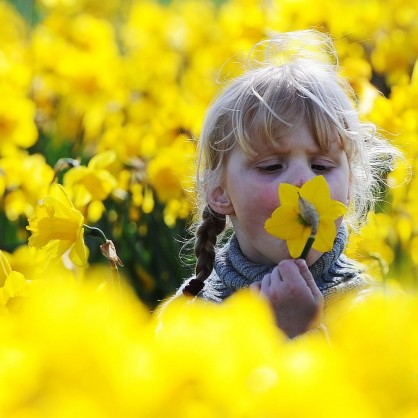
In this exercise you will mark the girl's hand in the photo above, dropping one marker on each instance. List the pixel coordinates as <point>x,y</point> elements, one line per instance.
<point>296,301</point>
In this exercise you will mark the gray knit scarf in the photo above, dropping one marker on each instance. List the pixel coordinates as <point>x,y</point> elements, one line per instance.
<point>334,273</point>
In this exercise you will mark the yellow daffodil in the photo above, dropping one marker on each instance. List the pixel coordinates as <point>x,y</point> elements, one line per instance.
<point>15,288</point>
<point>26,178</point>
<point>170,171</point>
<point>288,223</point>
<point>89,185</point>
<point>17,128</point>
<point>373,246</point>
<point>13,284</point>
<point>58,225</point>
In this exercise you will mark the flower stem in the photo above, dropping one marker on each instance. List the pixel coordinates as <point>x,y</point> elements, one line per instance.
<point>109,251</point>
<point>95,232</point>
<point>308,246</point>
<point>62,164</point>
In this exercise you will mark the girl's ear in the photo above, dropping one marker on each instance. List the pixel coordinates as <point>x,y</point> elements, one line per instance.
<point>348,198</point>
<point>220,202</point>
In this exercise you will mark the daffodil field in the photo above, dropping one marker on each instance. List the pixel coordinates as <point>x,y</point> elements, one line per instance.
<point>100,108</point>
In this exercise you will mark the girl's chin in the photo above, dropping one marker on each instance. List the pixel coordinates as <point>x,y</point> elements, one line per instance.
<point>313,256</point>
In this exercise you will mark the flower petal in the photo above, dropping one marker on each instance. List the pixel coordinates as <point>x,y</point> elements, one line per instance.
<point>78,254</point>
<point>59,193</point>
<point>316,191</point>
<point>296,246</point>
<point>284,223</point>
<point>288,194</point>
<point>5,268</point>
<point>334,210</point>
<point>325,237</point>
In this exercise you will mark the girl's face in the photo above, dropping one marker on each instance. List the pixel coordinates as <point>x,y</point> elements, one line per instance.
<point>250,195</point>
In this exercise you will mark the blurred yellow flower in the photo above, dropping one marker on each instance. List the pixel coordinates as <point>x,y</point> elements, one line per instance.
<point>27,178</point>
<point>75,349</point>
<point>170,173</point>
<point>92,183</point>
<point>58,225</point>
<point>5,268</point>
<point>12,284</point>
<point>71,7</point>
<point>15,287</point>
<point>17,126</point>
<point>2,183</point>
<point>373,246</point>
<point>171,170</point>
<point>381,331</point>
<point>287,223</point>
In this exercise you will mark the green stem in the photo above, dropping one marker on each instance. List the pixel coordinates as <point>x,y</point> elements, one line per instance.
<point>62,164</point>
<point>95,232</point>
<point>308,246</point>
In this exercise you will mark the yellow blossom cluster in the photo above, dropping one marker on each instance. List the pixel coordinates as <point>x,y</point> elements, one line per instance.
<point>107,98</point>
<point>101,103</point>
<point>389,241</point>
<point>72,350</point>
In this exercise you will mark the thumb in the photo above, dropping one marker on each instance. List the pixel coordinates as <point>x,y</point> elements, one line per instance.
<point>307,276</point>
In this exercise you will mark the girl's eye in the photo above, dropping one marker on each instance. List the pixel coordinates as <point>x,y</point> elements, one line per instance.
<point>319,167</point>
<point>272,167</point>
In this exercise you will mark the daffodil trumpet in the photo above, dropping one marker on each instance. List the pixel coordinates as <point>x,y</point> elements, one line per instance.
<point>306,217</point>
<point>57,225</point>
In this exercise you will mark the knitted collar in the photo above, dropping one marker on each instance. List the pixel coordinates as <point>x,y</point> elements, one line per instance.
<point>331,269</point>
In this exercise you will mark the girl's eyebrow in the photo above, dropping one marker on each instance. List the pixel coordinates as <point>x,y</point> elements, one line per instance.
<point>311,150</point>
<point>317,151</point>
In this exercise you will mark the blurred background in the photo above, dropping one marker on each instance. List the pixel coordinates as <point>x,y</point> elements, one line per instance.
<point>108,97</point>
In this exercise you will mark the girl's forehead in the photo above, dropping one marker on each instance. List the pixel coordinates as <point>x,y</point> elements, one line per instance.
<point>288,138</point>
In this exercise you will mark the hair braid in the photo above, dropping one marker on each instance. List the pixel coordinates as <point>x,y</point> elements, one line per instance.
<point>206,235</point>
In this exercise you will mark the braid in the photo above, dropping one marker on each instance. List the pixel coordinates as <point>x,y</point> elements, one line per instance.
<point>206,235</point>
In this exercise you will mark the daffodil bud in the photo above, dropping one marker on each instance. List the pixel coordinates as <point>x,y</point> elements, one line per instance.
<point>109,251</point>
<point>309,215</point>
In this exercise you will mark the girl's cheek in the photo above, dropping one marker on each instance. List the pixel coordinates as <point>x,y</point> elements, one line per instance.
<point>270,199</point>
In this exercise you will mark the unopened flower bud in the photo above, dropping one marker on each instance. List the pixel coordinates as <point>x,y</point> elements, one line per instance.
<point>309,215</point>
<point>109,251</point>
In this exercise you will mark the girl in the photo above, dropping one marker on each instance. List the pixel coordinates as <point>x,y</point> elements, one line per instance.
<point>287,119</point>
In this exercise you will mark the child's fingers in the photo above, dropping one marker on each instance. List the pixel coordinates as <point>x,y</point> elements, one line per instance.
<point>307,276</point>
<point>266,283</point>
<point>296,273</point>
<point>288,270</point>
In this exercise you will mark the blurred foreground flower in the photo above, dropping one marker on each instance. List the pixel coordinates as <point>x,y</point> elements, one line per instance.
<point>75,350</point>
<point>292,220</point>
<point>58,226</point>
<point>12,284</point>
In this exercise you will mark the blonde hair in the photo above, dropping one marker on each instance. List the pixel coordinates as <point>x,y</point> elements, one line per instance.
<point>295,81</point>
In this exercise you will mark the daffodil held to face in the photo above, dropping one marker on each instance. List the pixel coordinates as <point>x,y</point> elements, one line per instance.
<point>306,217</point>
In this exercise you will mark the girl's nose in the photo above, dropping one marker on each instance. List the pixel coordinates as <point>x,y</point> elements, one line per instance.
<point>300,175</point>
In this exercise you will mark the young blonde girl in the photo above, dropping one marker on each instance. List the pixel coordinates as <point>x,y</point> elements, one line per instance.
<point>286,119</point>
